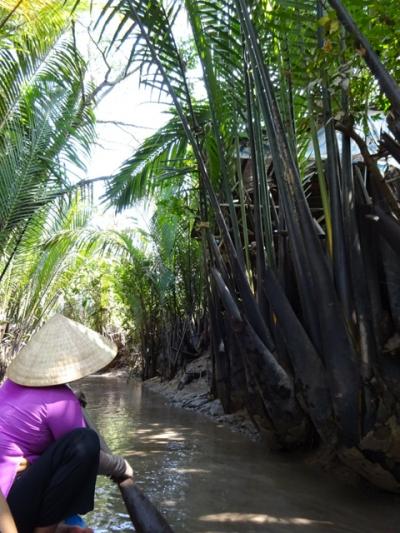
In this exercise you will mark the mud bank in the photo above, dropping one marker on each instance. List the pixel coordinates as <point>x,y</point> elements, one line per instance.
<point>190,390</point>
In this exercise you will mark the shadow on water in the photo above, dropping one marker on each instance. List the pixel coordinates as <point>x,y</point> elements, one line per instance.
<point>205,478</point>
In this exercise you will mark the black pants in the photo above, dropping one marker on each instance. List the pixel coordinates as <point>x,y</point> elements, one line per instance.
<point>59,483</point>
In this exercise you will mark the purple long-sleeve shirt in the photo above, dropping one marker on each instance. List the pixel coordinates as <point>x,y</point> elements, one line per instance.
<point>31,418</point>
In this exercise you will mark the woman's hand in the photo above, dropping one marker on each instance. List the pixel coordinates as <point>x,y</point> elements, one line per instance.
<point>23,465</point>
<point>127,473</point>
<point>128,470</point>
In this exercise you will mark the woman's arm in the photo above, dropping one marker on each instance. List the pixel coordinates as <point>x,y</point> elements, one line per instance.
<point>7,524</point>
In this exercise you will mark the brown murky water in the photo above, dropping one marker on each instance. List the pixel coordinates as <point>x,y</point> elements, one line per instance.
<point>207,479</point>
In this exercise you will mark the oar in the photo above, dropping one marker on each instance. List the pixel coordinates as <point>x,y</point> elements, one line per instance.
<point>144,515</point>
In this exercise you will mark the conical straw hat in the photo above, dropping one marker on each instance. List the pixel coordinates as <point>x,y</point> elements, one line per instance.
<point>61,351</point>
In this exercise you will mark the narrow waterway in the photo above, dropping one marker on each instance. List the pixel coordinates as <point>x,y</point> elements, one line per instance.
<point>207,479</point>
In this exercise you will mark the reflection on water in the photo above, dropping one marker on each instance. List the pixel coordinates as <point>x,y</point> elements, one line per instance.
<point>206,479</point>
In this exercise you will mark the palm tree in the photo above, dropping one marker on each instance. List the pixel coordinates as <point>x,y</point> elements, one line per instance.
<point>46,130</point>
<point>290,312</point>
<point>55,245</point>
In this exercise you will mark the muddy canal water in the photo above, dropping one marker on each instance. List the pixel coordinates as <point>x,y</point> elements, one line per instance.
<point>205,478</point>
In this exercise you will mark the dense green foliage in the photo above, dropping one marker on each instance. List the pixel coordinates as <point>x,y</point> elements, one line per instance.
<point>297,334</point>
<point>162,287</point>
<point>275,238</point>
<point>46,131</point>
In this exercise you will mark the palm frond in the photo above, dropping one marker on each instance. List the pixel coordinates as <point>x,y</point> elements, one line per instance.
<point>156,20</point>
<point>163,157</point>
<point>45,128</point>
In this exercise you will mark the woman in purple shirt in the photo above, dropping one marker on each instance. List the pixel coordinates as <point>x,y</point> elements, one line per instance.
<point>49,459</point>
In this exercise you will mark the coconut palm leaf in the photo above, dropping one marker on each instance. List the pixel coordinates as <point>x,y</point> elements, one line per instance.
<point>45,128</point>
<point>53,246</point>
<point>162,157</point>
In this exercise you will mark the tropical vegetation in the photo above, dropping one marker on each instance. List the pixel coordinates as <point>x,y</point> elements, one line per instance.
<point>275,238</point>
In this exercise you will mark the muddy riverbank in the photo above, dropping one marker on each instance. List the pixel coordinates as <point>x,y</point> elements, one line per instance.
<point>190,390</point>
